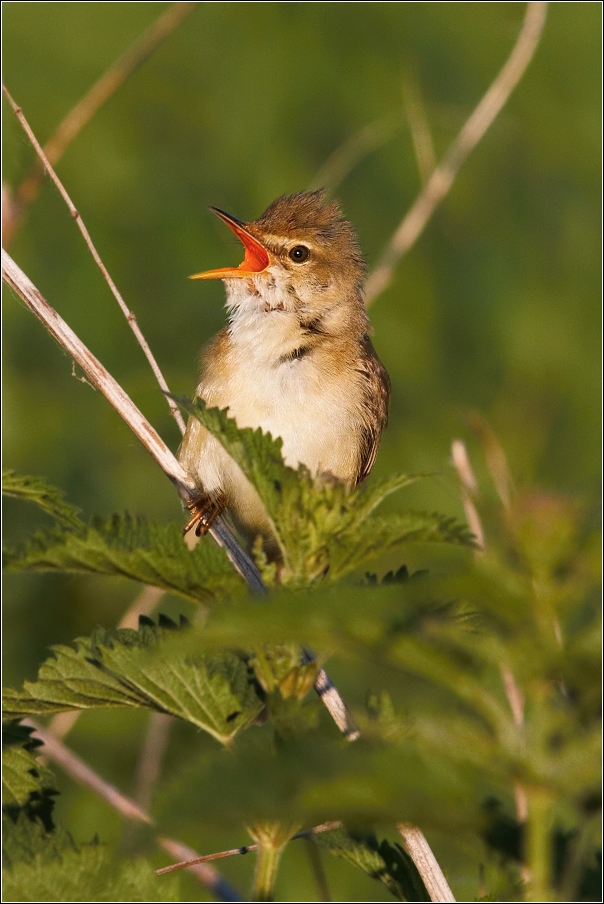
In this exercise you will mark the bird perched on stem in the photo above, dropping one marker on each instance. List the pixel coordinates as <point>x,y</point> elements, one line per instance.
<point>295,359</point>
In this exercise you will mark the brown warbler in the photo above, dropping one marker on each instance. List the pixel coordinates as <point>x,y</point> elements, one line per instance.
<point>295,359</point>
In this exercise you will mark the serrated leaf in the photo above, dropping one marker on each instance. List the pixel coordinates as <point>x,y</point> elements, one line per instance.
<point>49,866</point>
<point>48,498</point>
<point>24,780</point>
<point>20,776</point>
<point>135,548</point>
<point>385,862</point>
<point>324,528</point>
<point>146,668</point>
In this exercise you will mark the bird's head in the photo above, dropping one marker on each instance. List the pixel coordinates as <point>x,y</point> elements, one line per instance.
<point>301,255</point>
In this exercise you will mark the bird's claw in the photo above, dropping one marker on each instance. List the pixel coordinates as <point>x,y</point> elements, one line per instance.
<point>204,510</point>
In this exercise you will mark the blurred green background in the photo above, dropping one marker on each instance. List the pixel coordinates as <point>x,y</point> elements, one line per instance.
<point>496,309</point>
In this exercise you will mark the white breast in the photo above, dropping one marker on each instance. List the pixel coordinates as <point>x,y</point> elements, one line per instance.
<point>310,407</point>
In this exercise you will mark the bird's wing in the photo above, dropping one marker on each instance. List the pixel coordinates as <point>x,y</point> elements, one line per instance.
<point>377,399</point>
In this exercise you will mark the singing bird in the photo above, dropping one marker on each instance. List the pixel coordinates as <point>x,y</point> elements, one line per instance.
<point>295,359</point>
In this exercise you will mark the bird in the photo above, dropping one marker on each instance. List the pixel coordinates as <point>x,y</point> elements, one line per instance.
<point>294,359</point>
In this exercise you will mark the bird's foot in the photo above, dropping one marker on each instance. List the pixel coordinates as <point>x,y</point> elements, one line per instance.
<point>203,510</point>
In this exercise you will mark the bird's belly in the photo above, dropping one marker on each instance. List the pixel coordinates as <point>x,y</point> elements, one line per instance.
<point>314,415</point>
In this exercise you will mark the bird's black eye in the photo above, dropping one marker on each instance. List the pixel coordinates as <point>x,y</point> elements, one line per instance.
<point>299,254</point>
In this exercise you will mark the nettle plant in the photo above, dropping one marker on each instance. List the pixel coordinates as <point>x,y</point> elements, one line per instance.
<point>473,694</point>
<point>503,706</point>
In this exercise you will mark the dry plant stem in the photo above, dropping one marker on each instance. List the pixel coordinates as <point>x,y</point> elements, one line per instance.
<point>516,701</point>
<point>354,149</point>
<point>245,849</point>
<point>332,701</point>
<point>77,769</point>
<point>113,392</point>
<point>151,757</point>
<point>495,458</point>
<point>425,861</point>
<point>80,115</point>
<point>472,131</point>
<point>469,490</point>
<point>82,773</point>
<point>144,604</point>
<point>130,317</point>
<point>207,875</point>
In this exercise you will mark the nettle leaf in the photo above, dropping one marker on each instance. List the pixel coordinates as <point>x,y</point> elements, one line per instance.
<point>131,547</point>
<point>323,527</point>
<point>26,785</point>
<point>387,863</point>
<point>49,866</point>
<point>48,498</point>
<point>148,668</point>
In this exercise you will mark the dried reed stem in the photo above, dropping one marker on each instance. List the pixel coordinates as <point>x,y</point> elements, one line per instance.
<point>102,380</point>
<point>472,131</point>
<point>245,849</point>
<point>80,115</point>
<point>130,317</point>
<point>426,863</point>
<point>74,766</point>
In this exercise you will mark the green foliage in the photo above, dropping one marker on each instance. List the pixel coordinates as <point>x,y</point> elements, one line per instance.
<point>144,668</point>
<point>48,498</point>
<point>504,647</point>
<point>324,528</point>
<point>387,863</point>
<point>471,320</point>
<point>25,783</point>
<point>49,866</point>
<point>134,548</point>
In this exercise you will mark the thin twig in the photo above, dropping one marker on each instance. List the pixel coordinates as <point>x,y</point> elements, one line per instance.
<point>245,849</point>
<point>516,701</point>
<point>472,131</point>
<point>354,149</point>
<point>332,701</point>
<point>151,756</point>
<point>495,458</point>
<point>206,873</point>
<point>130,317</point>
<point>80,115</point>
<point>151,440</point>
<point>426,863</point>
<point>81,772</point>
<point>143,604</point>
<point>122,403</point>
<point>469,489</point>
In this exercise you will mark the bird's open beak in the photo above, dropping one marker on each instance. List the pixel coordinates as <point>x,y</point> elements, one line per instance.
<point>256,257</point>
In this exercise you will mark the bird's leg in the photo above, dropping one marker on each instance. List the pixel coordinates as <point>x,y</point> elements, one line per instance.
<point>204,510</point>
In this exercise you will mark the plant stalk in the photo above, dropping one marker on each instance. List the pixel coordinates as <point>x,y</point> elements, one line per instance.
<point>539,845</point>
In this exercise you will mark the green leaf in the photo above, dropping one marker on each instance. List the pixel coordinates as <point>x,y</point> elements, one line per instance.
<point>387,863</point>
<point>48,498</point>
<point>49,866</point>
<point>149,668</point>
<point>324,528</point>
<point>135,548</point>
<point>25,783</point>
